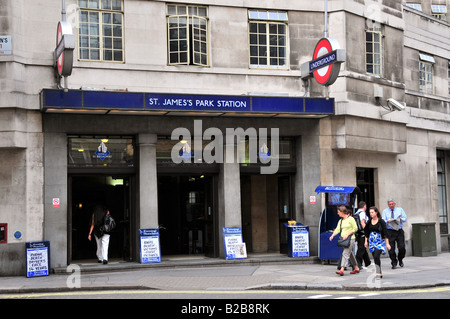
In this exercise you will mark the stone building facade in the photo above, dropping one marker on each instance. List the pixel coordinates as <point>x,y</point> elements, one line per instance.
<point>132,53</point>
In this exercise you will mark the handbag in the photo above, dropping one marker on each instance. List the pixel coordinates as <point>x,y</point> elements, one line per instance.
<point>344,243</point>
<point>109,224</point>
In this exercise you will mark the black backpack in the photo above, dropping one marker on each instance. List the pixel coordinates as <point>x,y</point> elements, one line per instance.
<point>109,224</point>
<point>358,221</point>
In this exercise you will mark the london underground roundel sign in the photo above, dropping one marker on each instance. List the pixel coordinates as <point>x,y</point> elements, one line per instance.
<point>60,59</point>
<point>325,64</point>
<point>64,48</point>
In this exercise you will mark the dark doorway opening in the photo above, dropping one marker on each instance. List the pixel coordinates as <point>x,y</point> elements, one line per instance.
<point>366,183</point>
<point>266,205</point>
<point>115,192</point>
<point>186,214</point>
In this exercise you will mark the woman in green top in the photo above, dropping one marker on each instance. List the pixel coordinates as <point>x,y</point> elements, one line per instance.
<point>346,227</point>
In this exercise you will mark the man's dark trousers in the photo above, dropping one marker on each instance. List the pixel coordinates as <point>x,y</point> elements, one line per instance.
<point>396,237</point>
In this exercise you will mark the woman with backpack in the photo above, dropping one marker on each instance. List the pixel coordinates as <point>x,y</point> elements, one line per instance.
<point>100,225</point>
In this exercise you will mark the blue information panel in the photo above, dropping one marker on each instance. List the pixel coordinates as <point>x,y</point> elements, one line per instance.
<point>150,250</point>
<point>38,258</point>
<point>233,245</point>
<point>298,241</point>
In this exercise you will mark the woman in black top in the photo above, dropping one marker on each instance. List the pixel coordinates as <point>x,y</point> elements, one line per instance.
<point>376,237</point>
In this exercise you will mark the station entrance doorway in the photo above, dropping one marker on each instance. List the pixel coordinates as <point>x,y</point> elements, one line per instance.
<point>266,205</point>
<point>116,193</point>
<point>187,215</point>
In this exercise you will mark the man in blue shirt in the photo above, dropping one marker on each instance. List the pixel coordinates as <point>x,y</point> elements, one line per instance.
<point>394,218</point>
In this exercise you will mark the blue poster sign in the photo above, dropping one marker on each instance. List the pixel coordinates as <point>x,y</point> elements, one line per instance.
<point>233,244</point>
<point>298,241</point>
<point>150,251</point>
<point>38,258</point>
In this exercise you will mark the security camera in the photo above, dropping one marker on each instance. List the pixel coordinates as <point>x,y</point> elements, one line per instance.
<point>393,104</point>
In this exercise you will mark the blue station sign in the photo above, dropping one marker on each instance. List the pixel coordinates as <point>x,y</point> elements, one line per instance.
<point>111,102</point>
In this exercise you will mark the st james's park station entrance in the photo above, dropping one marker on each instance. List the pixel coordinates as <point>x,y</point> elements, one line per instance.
<point>101,170</point>
<point>115,193</point>
<point>186,201</point>
<point>186,213</point>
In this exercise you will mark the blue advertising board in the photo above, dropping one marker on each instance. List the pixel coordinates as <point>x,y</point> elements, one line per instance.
<point>233,244</point>
<point>298,241</point>
<point>38,258</point>
<point>150,250</point>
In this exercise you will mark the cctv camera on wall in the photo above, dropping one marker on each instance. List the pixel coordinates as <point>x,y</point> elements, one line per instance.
<point>395,105</point>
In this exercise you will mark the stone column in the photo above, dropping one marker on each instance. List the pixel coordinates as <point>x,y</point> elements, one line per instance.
<point>148,182</point>
<point>55,186</point>
<point>229,193</point>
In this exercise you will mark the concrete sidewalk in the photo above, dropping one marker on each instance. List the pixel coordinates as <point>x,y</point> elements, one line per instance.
<point>255,272</point>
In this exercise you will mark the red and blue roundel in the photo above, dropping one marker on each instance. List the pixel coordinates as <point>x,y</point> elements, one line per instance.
<point>323,63</point>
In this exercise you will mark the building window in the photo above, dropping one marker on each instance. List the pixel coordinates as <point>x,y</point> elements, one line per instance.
<point>439,11</point>
<point>426,73</point>
<point>100,36</point>
<point>100,152</point>
<point>374,53</point>
<point>268,39</point>
<point>187,35</point>
<point>416,6</point>
<point>442,191</point>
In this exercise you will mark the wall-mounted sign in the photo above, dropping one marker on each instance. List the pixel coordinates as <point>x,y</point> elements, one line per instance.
<point>110,102</point>
<point>55,202</point>
<point>3,233</point>
<point>65,44</point>
<point>326,62</point>
<point>5,45</point>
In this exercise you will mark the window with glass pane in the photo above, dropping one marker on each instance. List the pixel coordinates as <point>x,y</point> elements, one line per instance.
<point>101,30</point>
<point>187,37</point>
<point>425,77</point>
<point>374,53</point>
<point>439,11</point>
<point>416,6</point>
<point>112,152</point>
<point>268,39</point>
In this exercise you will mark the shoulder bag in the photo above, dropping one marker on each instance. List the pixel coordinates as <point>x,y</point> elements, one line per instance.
<point>344,243</point>
<point>109,224</point>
